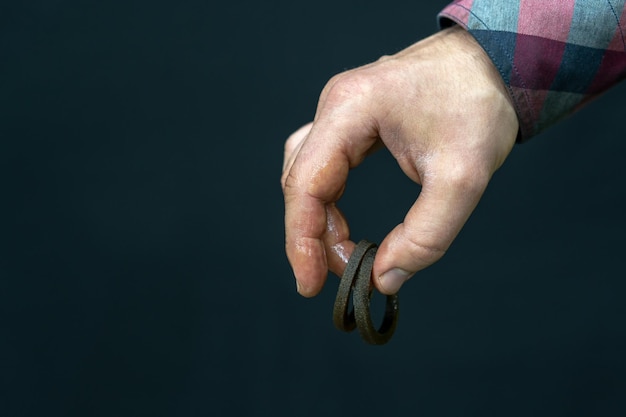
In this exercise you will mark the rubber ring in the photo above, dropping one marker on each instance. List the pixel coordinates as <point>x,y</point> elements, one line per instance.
<point>345,320</point>
<point>356,280</point>
<point>361,299</point>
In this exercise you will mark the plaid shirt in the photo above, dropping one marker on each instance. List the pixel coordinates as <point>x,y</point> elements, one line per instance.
<point>554,56</point>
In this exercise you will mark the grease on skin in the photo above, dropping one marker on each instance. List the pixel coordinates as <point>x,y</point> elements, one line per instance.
<point>339,250</point>
<point>309,253</point>
<point>336,240</point>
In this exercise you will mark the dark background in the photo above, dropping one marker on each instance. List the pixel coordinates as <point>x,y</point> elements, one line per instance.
<point>142,270</point>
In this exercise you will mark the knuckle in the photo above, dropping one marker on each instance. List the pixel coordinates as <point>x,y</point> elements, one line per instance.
<point>428,252</point>
<point>466,176</point>
<point>290,144</point>
<point>283,180</point>
<point>296,138</point>
<point>350,86</point>
<point>287,181</point>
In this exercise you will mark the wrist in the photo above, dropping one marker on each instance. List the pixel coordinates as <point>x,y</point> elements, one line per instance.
<point>460,41</point>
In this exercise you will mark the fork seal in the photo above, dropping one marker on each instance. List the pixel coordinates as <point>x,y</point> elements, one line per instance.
<point>345,320</point>
<point>356,279</point>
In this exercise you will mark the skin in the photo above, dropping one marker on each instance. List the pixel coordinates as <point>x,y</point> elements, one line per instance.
<point>442,110</point>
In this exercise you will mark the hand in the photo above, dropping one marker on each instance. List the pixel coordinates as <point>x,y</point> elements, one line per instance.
<point>442,110</point>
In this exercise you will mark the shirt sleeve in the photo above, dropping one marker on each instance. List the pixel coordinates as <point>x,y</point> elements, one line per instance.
<point>554,56</point>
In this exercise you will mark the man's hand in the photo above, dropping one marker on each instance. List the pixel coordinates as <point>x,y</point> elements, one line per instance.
<point>442,110</point>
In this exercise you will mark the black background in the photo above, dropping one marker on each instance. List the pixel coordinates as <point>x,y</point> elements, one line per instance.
<point>142,270</point>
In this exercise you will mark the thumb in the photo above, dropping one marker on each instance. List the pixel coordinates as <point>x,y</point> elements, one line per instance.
<point>446,201</point>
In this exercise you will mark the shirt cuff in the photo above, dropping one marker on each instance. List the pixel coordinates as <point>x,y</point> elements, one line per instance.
<point>554,57</point>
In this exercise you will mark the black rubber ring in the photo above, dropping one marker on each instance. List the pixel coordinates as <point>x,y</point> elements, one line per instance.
<point>345,320</point>
<point>356,280</point>
<point>361,299</point>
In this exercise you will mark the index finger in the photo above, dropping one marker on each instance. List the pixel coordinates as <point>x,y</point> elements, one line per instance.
<point>317,179</point>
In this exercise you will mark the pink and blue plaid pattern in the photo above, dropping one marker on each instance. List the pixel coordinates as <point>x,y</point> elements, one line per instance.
<point>554,56</point>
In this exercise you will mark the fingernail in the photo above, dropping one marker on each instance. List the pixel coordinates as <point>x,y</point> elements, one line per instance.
<point>298,286</point>
<point>393,279</point>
